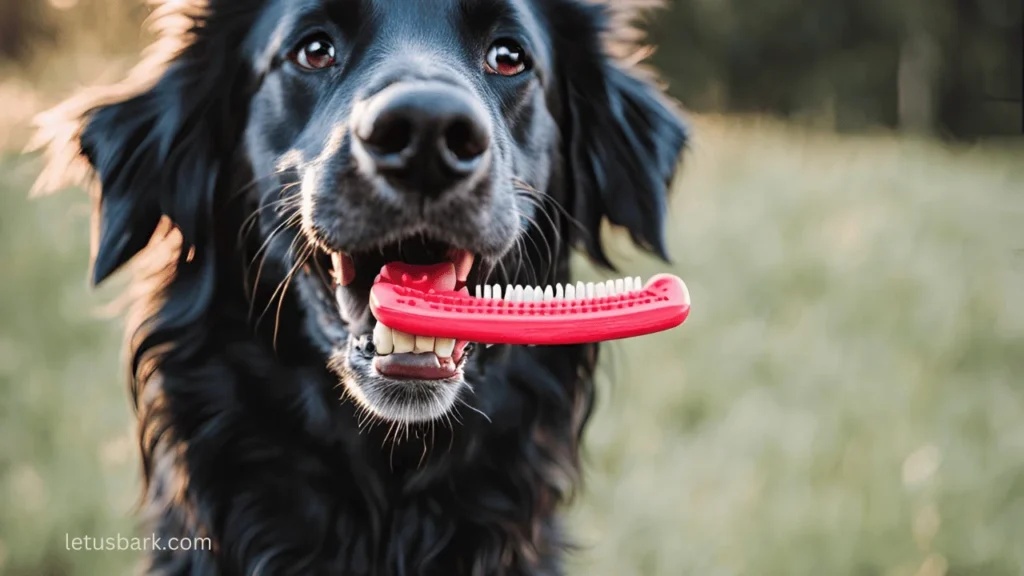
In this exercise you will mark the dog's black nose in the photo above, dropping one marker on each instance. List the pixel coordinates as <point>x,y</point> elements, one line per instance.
<point>424,136</point>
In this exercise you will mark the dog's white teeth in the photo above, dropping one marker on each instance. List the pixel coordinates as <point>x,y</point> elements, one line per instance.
<point>478,292</point>
<point>487,291</point>
<point>620,286</point>
<point>387,341</point>
<point>496,292</point>
<point>570,292</point>
<point>404,343</point>
<point>510,293</point>
<point>423,344</point>
<point>559,293</point>
<point>518,294</point>
<point>444,347</point>
<point>549,294</point>
<point>383,339</point>
<point>628,285</point>
<point>637,284</point>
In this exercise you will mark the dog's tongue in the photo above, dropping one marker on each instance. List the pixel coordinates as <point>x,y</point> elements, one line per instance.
<point>440,277</point>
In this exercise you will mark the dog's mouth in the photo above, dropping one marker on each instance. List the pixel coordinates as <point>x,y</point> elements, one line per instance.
<point>396,354</point>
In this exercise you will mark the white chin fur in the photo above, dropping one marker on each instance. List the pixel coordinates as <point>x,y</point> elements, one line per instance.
<point>408,401</point>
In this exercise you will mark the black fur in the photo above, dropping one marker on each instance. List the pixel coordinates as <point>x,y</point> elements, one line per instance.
<point>246,434</point>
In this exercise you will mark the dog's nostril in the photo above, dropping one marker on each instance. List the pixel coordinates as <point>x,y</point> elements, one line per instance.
<point>465,139</point>
<point>390,135</point>
<point>423,137</point>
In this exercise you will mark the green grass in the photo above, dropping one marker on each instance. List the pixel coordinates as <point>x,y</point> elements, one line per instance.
<point>846,398</point>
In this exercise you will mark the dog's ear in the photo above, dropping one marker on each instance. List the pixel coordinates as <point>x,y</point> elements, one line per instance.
<point>158,147</point>
<point>623,138</point>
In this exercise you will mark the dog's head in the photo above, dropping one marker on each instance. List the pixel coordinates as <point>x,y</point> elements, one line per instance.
<point>336,136</point>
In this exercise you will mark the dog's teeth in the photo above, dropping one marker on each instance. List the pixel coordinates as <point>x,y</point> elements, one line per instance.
<point>620,286</point>
<point>581,291</point>
<point>510,292</point>
<point>549,294</point>
<point>444,347</point>
<point>487,291</point>
<point>559,293</point>
<point>478,294</point>
<point>404,343</point>
<point>638,284</point>
<point>496,292</point>
<point>628,284</point>
<point>600,290</point>
<point>520,294</point>
<point>383,340</point>
<point>423,344</point>
<point>590,290</point>
<point>342,268</point>
<point>463,261</point>
<point>528,294</point>
<point>570,292</point>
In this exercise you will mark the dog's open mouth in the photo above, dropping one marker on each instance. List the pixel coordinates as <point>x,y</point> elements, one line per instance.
<point>397,354</point>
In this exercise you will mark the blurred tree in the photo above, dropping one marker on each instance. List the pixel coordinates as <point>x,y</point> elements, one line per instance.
<point>951,66</point>
<point>24,25</point>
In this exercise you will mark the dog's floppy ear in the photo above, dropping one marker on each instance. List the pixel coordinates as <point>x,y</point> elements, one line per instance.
<point>623,138</point>
<point>158,147</point>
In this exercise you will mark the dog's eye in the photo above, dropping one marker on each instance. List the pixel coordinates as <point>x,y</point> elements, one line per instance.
<point>314,53</point>
<point>506,57</point>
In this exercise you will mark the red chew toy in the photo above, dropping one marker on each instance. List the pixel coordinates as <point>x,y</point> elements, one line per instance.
<point>422,300</point>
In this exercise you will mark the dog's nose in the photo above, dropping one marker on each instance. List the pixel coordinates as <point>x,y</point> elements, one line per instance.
<point>424,136</point>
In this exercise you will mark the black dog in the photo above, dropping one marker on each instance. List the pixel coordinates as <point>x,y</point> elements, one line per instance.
<point>287,150</point>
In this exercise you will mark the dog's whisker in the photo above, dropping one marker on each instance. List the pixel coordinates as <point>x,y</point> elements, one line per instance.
<point>535,195</point>
<point>280,301</point>
<point>544,275</point>
<point>552,247</point>
<point>250,221</point>
<point>283,284</point>
<point>474,409</point>
<point>261,253</point>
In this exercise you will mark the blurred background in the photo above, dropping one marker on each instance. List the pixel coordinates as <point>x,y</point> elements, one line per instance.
<point>848,395</point>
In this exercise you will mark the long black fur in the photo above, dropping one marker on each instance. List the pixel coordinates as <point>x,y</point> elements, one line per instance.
<point>243,432</point>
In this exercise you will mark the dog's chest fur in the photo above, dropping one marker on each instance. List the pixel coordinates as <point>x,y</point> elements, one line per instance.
<point>286,479</point>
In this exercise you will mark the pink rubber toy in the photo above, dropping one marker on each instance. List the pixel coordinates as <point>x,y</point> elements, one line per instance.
<point>424,300</point>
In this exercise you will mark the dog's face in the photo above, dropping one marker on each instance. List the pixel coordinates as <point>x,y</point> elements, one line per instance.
<point>488,134</point>
<point>400,131</point>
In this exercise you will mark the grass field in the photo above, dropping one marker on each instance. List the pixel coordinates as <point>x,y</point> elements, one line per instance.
<point>846,399</point>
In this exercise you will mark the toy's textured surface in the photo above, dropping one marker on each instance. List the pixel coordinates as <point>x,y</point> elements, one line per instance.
<point>423,300</point>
